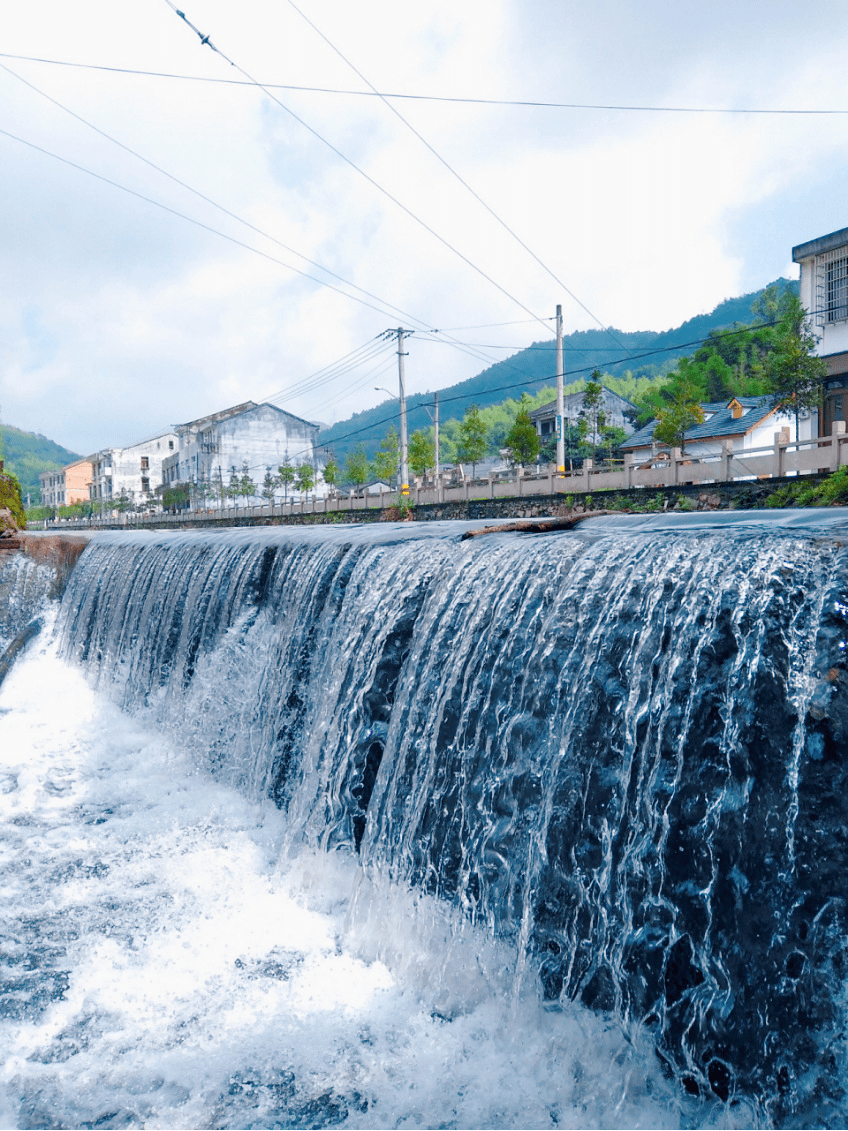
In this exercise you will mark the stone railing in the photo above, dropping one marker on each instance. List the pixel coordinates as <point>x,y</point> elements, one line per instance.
<point>782,458</point>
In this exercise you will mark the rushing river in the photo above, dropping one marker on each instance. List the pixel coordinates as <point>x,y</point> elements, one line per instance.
<point>378,828</point>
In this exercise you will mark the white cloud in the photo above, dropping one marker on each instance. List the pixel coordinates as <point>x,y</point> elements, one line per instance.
<point>116,318</point>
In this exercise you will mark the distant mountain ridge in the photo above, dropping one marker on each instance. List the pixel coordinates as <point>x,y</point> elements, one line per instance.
<point>27,454</point>
<point>528,370</point>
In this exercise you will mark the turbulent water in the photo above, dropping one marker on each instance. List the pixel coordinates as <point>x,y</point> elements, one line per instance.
<point>379,828</point>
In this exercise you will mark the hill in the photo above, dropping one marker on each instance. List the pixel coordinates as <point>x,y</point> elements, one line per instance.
<point>27,454</point>
<point>647,354</point>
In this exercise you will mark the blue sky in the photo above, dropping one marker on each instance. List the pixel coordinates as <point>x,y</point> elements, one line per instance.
<point>118,318</point>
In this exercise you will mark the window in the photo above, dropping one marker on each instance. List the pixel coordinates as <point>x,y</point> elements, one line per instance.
<point>170,445</point>
<point>837,290</point>
<point>145,463</point>
<point>145,486</point>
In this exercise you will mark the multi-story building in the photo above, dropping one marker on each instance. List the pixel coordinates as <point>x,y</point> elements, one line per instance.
<point>824,293</point>
<point>70,484</point>
<point>131,474</point>
<point>261,436</point>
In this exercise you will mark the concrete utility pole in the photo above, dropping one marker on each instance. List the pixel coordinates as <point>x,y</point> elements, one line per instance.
<point>404,442</point>
<point>560,402</point>
<point>436,427</point>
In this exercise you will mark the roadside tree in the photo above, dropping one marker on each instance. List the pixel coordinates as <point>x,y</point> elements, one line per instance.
<point>422,452</point>
<point>522,441</point>
<point>472,438</point>
<point>794,374</point>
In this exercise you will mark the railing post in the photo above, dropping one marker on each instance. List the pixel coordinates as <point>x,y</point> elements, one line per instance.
<point>726,457</point>
<point>628,470</point>
<point>676,457</point>
<point>836,434</point>
<point>778,469</point>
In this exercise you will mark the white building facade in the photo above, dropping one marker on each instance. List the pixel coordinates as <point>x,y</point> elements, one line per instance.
<point>130,476</point>
<point>211,449</point>
<point>824,293</point>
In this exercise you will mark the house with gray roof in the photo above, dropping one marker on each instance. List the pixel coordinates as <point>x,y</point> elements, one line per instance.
<point>619,413</point>
<point>743,422</point>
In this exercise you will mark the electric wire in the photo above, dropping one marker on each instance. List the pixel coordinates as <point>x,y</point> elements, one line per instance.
<point>529,103</point>
<point>158,168</point>
<point>207,42</point>
<point>455,174</point>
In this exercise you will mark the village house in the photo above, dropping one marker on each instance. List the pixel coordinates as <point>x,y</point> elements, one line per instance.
<point>131,474</point>
<point>210,449</point>
<point>619,413</point>
<point>824,293</point>
<point>66,486</point>
<point>743,422</point>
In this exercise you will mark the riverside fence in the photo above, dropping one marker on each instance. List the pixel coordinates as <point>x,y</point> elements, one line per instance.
<point>674,468</point>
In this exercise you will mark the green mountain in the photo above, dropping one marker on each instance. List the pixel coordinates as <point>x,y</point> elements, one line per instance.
<point>27,454</point>
<point>642,353</point>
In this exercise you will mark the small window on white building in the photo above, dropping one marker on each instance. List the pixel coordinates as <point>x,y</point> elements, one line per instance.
<point>837,289</point>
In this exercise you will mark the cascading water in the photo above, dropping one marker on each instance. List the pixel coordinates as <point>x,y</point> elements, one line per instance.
<point>568,811</point>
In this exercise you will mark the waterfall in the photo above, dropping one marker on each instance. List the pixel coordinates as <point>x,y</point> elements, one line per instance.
<point>614,755</point>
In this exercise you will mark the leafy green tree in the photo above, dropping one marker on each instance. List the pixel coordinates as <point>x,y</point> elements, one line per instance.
<point>356,466</point>
<point>246,486</point>
<point>387,456</point>
<point>592,413</point>
<point>472,438</point>
<point>331,474</point>
<point>793,371</point>
<point>269,486</point>
<point>286,476</point>
<point>234,485</point>
<point>522,440</point>
<point>613,437</point>
<point>304,478</point>
<point>422,452</point>
<point>678,416</point>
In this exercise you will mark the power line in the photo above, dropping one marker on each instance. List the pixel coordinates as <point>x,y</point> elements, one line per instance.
<point>202,196</point>
<point>529,103</point>
<point>206,41</point>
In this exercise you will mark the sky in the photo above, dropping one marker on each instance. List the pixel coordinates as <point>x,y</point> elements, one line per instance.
<point>128,303</point>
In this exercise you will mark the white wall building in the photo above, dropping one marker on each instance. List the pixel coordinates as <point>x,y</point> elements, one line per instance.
<point>824,293</point>
<point>743,422</point>
<point>130,474</point>
<point>262,436</point>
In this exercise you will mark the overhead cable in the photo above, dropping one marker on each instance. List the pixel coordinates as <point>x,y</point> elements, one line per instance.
<point>206,41</point>
<point>529,103</point>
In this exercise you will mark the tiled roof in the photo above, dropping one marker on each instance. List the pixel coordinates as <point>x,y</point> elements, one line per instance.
<point>721,423</point>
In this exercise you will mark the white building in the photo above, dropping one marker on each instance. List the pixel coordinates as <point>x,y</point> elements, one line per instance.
<point>824,293</point>
<point>211,448</point>
<point>744,422</point>
<point>131,474</point>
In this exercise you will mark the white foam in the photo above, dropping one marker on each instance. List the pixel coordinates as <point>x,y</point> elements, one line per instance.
<point>178,975</point>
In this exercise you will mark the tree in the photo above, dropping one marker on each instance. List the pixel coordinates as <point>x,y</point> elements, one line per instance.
<point>678,416</point>
<point>286,476</point>
<point>592,414</point>
<point>331,474</point>
<point>472,438</point>
<point>304,477</point>
<point>234,485</point>
<point>386,457</point>
<point>269,486</point>
<point>247,488</point>
<point>522,440</point>
<point>793,372</point>
<point>422,452</point>
<point>613,437</point>
<point>356,466</point>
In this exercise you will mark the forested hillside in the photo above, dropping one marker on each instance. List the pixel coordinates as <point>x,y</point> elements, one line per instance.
<point>27,454</point>
<point>648,355</point>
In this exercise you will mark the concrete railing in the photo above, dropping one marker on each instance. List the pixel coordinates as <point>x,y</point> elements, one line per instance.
<point>782,458</point>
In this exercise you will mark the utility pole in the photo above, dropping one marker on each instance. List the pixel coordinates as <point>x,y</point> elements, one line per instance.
<point>436,427</point>
<point>560,402</point>
<point>404,442</point>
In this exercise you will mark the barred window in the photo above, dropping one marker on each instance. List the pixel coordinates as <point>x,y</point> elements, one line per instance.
<point>837,290</point>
